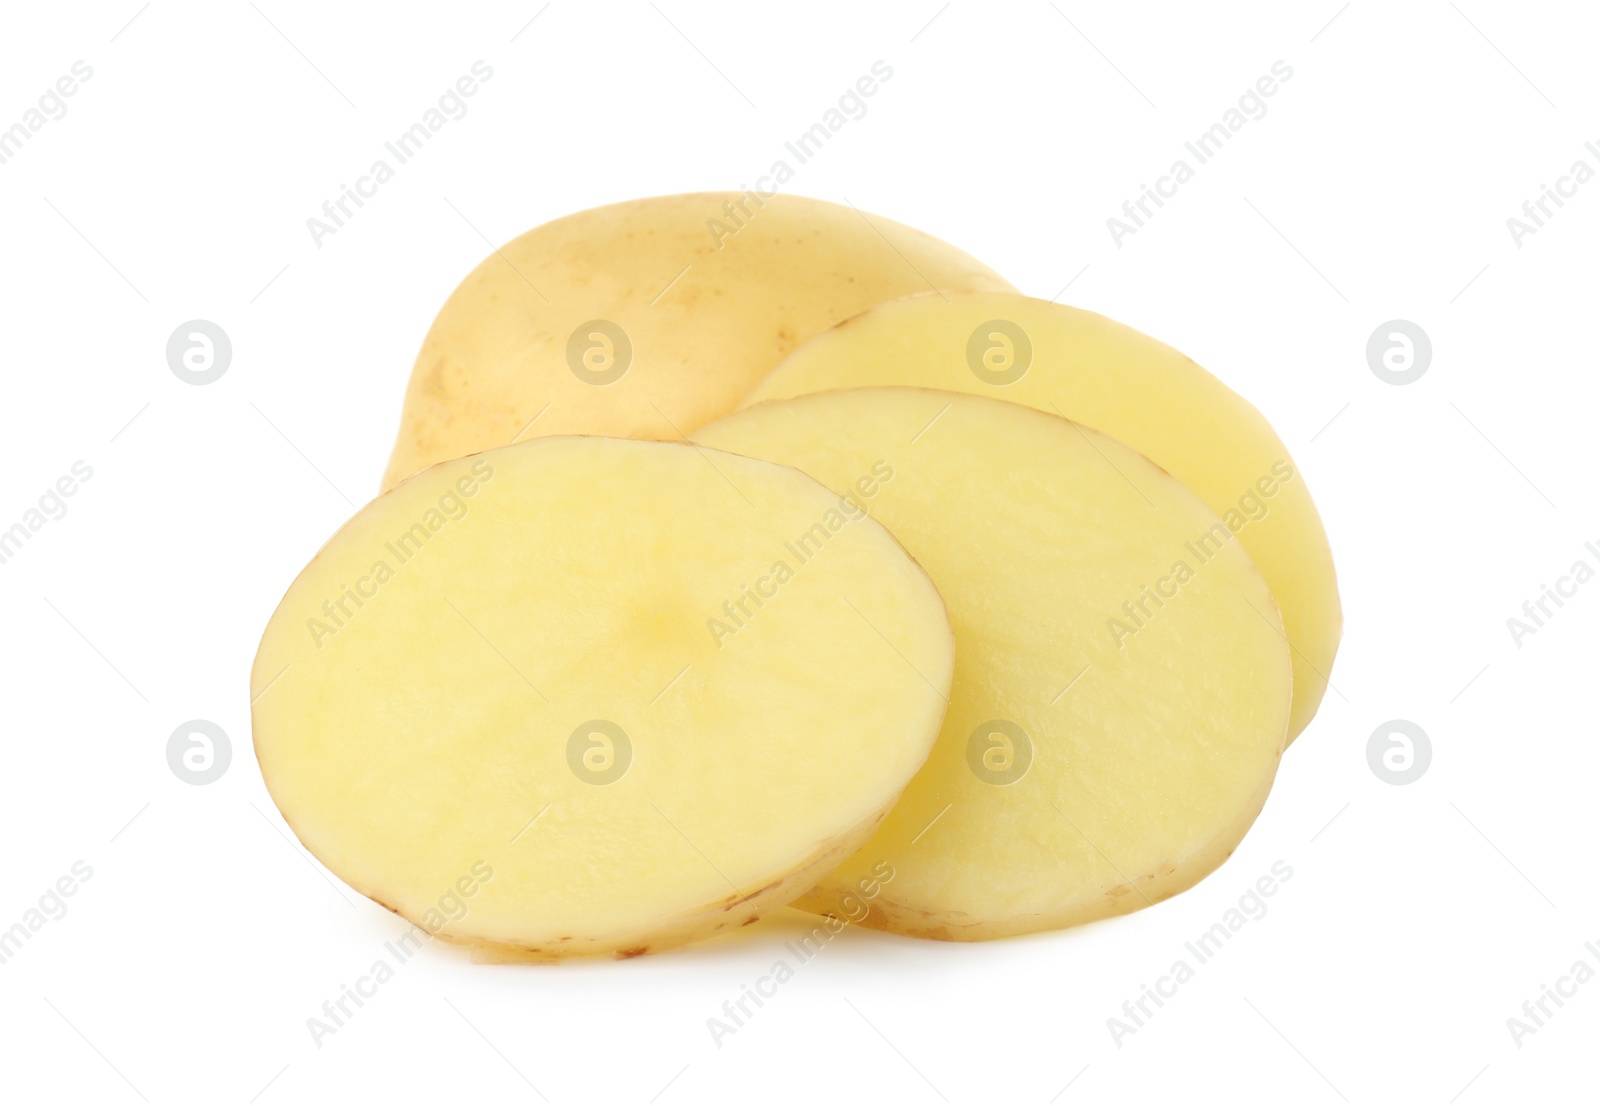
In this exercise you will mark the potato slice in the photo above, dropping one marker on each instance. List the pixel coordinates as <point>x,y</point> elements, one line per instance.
<point>649,697</point>
<point>1122,682</point>
<point>1104,375</point>
<point>648,319</point>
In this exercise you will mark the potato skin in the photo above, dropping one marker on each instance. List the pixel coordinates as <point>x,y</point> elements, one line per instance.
<point>409,743</point>
<point>1112,378</point>
<point>1112,900</point>
<point>1164,752</point>
<point>702,315</point>
<point>720,917</point>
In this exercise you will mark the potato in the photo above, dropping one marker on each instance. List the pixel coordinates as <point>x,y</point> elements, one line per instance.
<point>648,319</point>
<point>589,695</point>
<point>1122,684</point>
<point>1107,376</point>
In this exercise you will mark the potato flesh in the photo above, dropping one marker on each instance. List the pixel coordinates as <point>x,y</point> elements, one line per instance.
<point>1129,386</point>
<point>706,313</point>
<point>577,582</point>
<point>1151,753</point>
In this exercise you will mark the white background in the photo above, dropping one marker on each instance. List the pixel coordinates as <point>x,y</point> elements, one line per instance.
<point>177,186</point>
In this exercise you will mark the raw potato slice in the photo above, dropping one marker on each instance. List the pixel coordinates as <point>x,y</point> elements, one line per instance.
<point>648,319</point>
<point>1102,374</point>
<point>561,698</point>
<point>1096,757</point>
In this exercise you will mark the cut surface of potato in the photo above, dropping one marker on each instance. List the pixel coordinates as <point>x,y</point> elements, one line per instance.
<point>1122,683</point>
<point>649,318</point>
<point>1110,377</point>
<point>649,696</point>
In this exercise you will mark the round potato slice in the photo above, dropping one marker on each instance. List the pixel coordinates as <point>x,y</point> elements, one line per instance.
<point>649,318</point>
<point>1104,375</point>
<point>584,695</point>
<point>1122,683</point>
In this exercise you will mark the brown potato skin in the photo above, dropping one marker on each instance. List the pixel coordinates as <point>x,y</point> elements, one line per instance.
<point>707,314</point>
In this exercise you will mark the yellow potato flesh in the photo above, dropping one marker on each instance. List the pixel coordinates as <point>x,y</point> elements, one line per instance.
<point>648,319</point>
<point>1112,378</point>
<point>421,686</point>
<point>1146,751</point>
